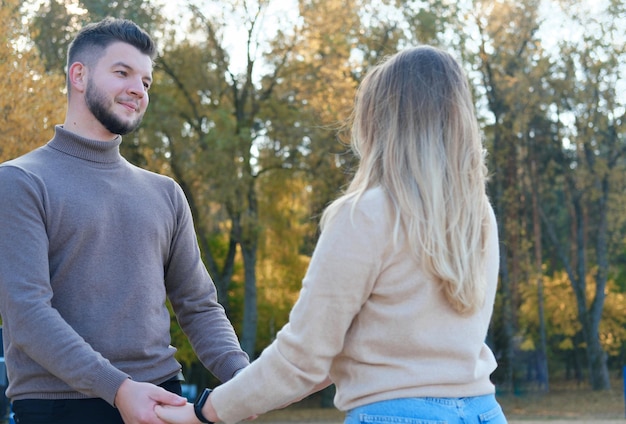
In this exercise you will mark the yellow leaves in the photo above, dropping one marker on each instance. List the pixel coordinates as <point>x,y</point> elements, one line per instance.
<point>560,309</point>
<point>281,266</point>
<point>32,101</point>
<point>527,345</point>
<point>613,324</point>
<point>566,344</point>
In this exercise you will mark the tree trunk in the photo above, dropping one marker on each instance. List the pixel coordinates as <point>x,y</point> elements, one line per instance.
<point>598,368</point>
<point>542,353</point>
<point>589,318</point>
<point>249,247</point>
<point>508,348</point>
<point>250,313</point>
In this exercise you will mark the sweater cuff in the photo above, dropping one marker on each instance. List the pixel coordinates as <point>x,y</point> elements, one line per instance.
<point>110,382</point>
<point>235,364</point>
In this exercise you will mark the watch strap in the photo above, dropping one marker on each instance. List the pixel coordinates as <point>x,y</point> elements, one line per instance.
<point>199,403</point>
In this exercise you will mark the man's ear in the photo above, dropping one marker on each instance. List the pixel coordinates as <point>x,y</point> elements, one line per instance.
<point>77,76</point>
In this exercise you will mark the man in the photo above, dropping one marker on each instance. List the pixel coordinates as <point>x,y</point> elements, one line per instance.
<point>91,246</point>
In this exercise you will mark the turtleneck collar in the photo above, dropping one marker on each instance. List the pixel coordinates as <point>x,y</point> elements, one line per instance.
<point>84,148</point>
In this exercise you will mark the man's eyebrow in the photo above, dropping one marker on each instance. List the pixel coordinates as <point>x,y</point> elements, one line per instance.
<point>130,68</point>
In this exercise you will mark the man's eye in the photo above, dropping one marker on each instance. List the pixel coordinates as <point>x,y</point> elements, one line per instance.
<point>122,73</point>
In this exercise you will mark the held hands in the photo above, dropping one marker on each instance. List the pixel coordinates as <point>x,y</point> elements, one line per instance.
<point>136,402</point>
<point>177,414</point>
<point>185,414</point>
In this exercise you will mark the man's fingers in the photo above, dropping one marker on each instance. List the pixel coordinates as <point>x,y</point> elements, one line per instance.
<point>164,397</point>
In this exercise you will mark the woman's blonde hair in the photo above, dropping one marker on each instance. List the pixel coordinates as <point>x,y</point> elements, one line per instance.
<point>415,131</point>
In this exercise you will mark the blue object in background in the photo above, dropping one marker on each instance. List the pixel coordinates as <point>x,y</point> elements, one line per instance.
<point>189,391</point>
<point>4,382</point>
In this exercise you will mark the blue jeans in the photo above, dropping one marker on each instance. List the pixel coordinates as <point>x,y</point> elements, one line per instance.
<point>467,410</point>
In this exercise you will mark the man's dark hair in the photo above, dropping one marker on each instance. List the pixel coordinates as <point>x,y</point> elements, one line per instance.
<point>94,38</point>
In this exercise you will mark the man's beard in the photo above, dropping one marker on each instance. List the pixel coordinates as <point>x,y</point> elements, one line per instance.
<point>98,105</point>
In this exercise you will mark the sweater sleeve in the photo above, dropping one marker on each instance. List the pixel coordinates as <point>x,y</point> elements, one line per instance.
<point>194,299</point>
<point>35,326</point>
<point>344,268</point>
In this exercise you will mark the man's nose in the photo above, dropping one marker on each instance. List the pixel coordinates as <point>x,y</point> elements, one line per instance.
<point>137,88</point>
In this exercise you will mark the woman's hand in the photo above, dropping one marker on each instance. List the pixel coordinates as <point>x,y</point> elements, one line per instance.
<point>177,414</point>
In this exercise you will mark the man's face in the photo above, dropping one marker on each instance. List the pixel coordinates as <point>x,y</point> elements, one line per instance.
<point>117,88</point>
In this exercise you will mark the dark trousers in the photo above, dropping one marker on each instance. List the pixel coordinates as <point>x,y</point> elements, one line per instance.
<point>74,411</point>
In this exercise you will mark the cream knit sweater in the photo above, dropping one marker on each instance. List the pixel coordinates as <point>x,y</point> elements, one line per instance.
<point>372,320</point>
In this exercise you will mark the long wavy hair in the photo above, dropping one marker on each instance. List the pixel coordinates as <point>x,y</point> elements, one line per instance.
<point>415,132</point>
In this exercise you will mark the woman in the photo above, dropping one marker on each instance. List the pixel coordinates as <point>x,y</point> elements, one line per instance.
<point>396,303</point>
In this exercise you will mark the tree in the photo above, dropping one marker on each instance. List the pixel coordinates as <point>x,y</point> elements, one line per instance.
<point>562,316</point>
<point>506,64</point>
<point>590,114</point>
<point>263,129</point>
<point>33,100</point>
<point>216,142</point>
<point>53,26</point>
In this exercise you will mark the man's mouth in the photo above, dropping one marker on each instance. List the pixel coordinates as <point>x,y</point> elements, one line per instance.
<point>130,106</point>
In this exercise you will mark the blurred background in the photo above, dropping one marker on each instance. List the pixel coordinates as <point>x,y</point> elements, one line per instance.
<point>247,113</point>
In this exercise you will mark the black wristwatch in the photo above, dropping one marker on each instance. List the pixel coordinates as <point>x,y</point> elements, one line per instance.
<point>199,403</point>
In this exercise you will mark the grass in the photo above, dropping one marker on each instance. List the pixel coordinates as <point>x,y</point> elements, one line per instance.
<point>564,401</point>
<point>567,400</point>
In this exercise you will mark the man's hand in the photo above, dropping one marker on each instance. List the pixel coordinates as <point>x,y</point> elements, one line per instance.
<point>136,402</point>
